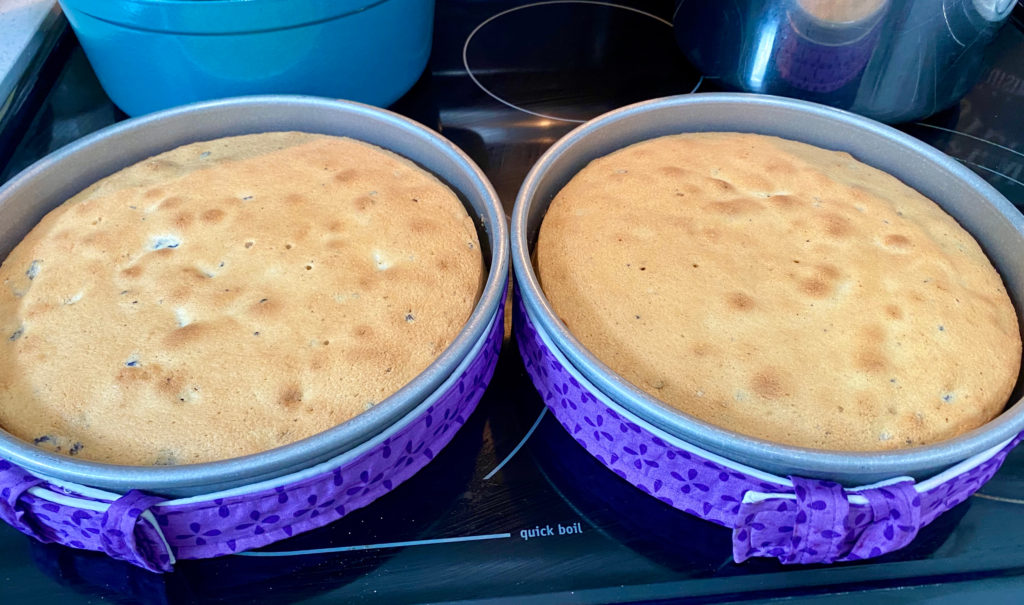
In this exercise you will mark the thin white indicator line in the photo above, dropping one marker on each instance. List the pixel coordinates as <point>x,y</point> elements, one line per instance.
<point>995,172</point>
<point>465,49</point>
<point>998,498</point>
<point>970,136</point>
<point>699,82</point>
<point>516,449</point>
<point>318,551</point>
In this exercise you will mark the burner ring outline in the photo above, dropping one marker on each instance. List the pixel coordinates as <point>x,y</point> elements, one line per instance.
<point>480,85</point>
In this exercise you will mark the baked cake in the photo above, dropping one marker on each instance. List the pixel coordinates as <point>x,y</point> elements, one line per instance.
<point>230,296</point>
<point>782,291</point>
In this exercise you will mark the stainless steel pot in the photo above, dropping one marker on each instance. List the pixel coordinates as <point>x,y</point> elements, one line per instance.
<point>891,60</point>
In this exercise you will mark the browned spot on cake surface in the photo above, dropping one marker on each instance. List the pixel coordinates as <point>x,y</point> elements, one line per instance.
<point>719,185</point>
<point>870,355</point>
<point>213,215</point>
<point>815,287</point>
<point>835,225</point>
<point>185,335</point>
<point>740,301</point>
<point>290,397</point>
<point>735,207</point>
<point>132,271</point>
<point>785,202</point>
<point>183,220</point>
<point>346,176</point>
<point>672,170</point>
<point>897,241</point>
<point>171,203</point>
<point>703,349</point>
<point>768,384</point>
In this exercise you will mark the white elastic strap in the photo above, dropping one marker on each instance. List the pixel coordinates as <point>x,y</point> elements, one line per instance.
<point>100,507</point>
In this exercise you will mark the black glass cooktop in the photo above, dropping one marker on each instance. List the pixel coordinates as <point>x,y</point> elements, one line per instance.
<point>506,80</point>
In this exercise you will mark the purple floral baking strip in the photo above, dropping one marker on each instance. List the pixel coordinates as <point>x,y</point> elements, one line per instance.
<point>153,532</point>
<point>795,520</point>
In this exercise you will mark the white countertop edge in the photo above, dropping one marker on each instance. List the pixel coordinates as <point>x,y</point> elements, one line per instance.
<point>22,27</point>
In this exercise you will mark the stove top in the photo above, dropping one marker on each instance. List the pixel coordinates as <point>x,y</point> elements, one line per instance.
<point>513,510</point>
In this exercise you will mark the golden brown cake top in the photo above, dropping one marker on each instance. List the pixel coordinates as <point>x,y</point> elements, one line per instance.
<point>230,296</point>
<point>782,291</point>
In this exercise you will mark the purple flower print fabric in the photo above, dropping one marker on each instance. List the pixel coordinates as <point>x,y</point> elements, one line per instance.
<point>796,520</point>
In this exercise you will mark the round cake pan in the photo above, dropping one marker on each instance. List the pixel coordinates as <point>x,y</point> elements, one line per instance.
<point>982,211</point>
<point>52,180</point>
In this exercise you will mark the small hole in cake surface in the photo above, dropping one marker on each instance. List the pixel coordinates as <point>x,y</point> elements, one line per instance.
<point>161,242</point>
<point>249,244</point>
<point>182,316</point>
<point>288,246</point>
<point>33,269</point>
<point>379,260</point>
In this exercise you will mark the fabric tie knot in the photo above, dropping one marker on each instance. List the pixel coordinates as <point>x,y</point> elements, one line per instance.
<point>820,522</point>
<point>123,537</point>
